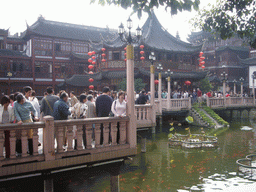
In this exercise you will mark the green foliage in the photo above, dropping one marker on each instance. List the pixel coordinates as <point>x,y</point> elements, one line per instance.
<point>205,85</point>
<point>138,84</point>
<point>173,6</point>
<point>228,18</point>
<point>204,116</point>
<point>215,116</point>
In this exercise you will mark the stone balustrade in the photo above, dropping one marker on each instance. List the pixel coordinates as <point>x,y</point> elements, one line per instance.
<point>93,137</point>
<point>145,116</point>
<point>230,102</point>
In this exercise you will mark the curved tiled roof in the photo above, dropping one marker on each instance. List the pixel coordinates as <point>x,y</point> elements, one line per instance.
<point>69,31</point>
<point>248,61</point>
<point>12,53</point>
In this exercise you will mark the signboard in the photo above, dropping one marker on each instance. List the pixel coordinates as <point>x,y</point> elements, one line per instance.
<point>251,70</point>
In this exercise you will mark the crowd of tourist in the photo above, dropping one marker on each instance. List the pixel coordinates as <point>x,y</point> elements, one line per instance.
<point>25,108</point>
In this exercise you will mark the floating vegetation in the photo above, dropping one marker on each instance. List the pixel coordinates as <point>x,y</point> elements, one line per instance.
<point>192,140</point>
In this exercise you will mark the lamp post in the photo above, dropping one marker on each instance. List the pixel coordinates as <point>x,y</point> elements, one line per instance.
<point>169,74</point>
<point>242,84</point>
<point>152,58</point>
<point>160,68</point>
<point>224,76</point>
<point>129,39</point>
<point>234,81</point>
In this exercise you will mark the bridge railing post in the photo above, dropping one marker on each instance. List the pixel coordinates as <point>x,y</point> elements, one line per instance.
<point>48,138</point>
<point>189,103</point>
<point>208,101</point>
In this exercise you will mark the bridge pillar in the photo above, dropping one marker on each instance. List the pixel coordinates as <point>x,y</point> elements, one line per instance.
<point>152,93</point>
<point>169,94</point>
<point>132,127</point>
<point>48,182</point>
<point>160,92</point>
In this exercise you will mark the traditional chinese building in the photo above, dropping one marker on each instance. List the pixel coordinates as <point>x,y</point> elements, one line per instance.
<point>55,53</point>
<point>223,56</point>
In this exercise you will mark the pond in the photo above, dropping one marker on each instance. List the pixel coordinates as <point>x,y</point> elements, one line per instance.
<point>163,168</point>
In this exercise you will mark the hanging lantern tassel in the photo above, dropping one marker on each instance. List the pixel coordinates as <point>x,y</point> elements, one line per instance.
<point>103,49</point>
<point>142,52</point>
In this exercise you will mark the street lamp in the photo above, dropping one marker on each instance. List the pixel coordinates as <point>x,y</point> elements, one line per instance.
<point>152,58</point>
<point>169,74</point>
<point>129,39</point>
<point>234,81</point>
<point>242,89</point>
<point>224,76</point>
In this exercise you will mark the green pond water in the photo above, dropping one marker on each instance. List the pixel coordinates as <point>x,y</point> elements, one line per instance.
<point>163,168</point>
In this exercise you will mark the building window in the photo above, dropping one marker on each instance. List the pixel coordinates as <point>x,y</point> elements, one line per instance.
<point>110,55</point>
<point>37,68</point>
<point>116,56</point>
<point>57,47</point>
<point>123,56</point>
<point>21,68</point>
<point>14,67</point>
<point>169,57</point>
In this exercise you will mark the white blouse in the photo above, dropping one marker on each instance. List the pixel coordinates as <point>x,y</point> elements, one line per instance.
<point>118,109</point>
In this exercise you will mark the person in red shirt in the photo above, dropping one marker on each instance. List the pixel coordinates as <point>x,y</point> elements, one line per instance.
<point>209,94</point>
<point>199,93</point>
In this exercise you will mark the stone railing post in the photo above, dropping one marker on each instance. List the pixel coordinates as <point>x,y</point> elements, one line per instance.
<point>131,125</point>
<point>48,138</point>
<point>160,92</point>
<point>208,101</point>
<point>189,103</point>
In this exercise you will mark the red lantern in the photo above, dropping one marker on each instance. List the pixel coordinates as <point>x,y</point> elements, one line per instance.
<point>93,53</point>
<point>94,62</point>
<point>103,60</point>
<point>103,55</point>
<point>90,60</point>
<point>203,67</point>
<point>142,52</point>
<point>125,48</point>
<point>200,54</point>
<point>91,80</point>
<point>202,58</point>
<point>90,72</point>
<point>103,49</point>
<point>141,46</point>
<point>142,58</point>
<point>187,83</point>
<point>125,54</point>
<point>89,53</point>
<point>202,62</point>
<point>90,66</point>
<point>93,57</point>
<point>91,87</point>
<point>125,60</point>
<point>156,82</point>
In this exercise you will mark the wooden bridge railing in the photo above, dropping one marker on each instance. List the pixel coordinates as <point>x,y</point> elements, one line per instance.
<point>145,116</point>
<point>103,141</point>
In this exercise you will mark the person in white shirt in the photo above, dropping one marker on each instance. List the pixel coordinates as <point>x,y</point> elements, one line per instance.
<point>119,106</point>
<point>119,110</point>
<point>35,102</point>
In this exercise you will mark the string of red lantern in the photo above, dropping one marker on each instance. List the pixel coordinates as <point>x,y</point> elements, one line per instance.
<point>142,53</point>
<point>92,62</point>
<point>103,55</point>
<point>201,60</point>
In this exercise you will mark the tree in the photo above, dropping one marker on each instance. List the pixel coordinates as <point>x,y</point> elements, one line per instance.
<point>205,85</point>
<point>147,5</point>
<point>229,18</point>
<point>138,84</point>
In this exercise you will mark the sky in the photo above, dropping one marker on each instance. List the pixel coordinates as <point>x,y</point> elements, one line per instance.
<point>15,13</point>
